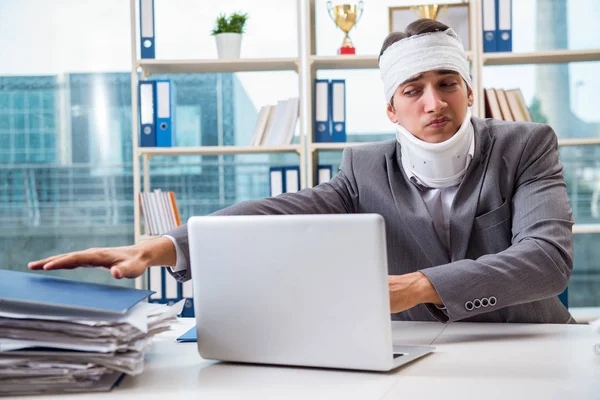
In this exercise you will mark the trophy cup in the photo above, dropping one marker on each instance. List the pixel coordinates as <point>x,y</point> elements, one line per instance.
<point>345,17</point>
<point>430,11</point>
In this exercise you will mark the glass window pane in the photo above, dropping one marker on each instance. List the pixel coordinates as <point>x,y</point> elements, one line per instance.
<point>4,101</point>
<point>18,101</point>
<point>562,95</point>
<point>18,122</point>
<point>555,24</point>
<point>35,121</point>
<point>582,176</point>
<point>584,286</point>
<point>34,100</point>
<point>4,121</point>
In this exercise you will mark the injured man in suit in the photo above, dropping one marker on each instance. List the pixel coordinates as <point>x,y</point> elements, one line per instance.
<point>478,222</point>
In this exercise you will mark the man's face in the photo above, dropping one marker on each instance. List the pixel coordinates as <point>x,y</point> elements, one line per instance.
<point>431,105</point>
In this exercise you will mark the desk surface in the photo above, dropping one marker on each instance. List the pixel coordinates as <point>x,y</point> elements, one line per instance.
<point>471,360</point>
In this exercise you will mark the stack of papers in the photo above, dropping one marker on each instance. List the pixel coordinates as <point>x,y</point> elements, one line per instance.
<point>58,335</point>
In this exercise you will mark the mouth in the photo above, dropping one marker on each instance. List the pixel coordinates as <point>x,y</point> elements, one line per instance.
<point>439,122</point>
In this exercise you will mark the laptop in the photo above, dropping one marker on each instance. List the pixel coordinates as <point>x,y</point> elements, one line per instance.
<point>295,290</point>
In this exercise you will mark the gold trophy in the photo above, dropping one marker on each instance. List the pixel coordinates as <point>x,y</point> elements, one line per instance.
<point>345,17</point>
<point>430,11</point>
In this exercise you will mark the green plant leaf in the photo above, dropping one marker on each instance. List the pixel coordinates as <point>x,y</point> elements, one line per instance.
<point>235,23</point>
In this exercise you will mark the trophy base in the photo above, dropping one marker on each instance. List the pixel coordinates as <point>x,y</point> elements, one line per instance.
<point>347,50</point>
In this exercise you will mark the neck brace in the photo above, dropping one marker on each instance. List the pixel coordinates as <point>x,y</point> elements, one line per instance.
<point>437,165</point>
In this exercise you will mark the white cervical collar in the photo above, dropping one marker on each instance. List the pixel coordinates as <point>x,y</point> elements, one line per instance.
<point>438,165</point>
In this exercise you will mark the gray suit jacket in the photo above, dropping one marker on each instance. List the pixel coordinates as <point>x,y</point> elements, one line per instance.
<point>510,224</point>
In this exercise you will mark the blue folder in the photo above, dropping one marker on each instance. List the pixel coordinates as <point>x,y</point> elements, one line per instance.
<point>189,336</point>
<point>43,290</point>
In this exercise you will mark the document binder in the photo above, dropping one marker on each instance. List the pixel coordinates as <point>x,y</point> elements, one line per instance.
<point>292,179</point>
<point>147,48</point>
<point>504,33</point>
<point>164,112</point>
<point>489,26</point>
<point>276,181</point>
<point>322,111</point>
<point>147,90</point>
<point>337,96</point>
<point>34,289</point>
<point>323,173</point>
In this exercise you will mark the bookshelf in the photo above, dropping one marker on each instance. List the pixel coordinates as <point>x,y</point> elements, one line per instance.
<point>306,65</point>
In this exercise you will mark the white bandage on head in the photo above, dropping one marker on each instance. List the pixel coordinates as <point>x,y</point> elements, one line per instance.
<point>420,53</point>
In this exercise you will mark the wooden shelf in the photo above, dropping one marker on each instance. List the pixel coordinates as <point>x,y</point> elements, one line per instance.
<point>350,61</point>
<point>541,57</point>
<point>151,66</point>
<point>578,142</point>
<point>334,146</point>
<point>215,150</point>
<point>586,228</point>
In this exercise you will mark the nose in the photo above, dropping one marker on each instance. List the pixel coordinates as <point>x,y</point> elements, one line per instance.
<point>433,102</point>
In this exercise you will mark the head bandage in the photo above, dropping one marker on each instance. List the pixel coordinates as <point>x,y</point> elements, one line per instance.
<point>420,53</point>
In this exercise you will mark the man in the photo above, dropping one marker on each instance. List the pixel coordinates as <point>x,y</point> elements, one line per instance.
<point>477,217</point>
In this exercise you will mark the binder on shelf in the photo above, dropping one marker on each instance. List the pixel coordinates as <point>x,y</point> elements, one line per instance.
<point>489,17</point>
<point>292,179</point>
<point>284,180</point>
<point>164,113</point>
<point>147,90</point>
<point>504,32</point>
<point>276,181</point>
<point>322,111</point>
<point>324,173</point>
<point>147,48</point>
<point>337,97</point>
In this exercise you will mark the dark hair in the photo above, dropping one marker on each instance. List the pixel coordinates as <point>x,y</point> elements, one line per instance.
<point>418,27</point>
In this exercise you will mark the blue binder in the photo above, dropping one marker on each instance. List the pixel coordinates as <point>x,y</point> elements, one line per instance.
<point>147,105</point>
<point>490,22</point>
<point>147,48</point>
<point>164,113</point>
<point>322,111</point>
<point>37,290</point>
<point>337,97</point>
<point>504,24</point>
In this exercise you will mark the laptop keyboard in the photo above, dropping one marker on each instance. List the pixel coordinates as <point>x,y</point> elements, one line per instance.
<point>397,355</point>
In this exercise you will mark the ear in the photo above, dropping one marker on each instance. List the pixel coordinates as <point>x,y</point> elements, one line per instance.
<point>391,113</point>
<point>470,98</point>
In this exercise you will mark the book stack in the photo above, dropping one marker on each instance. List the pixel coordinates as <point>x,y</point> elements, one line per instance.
<point>59,335</point>
<point>160,211</point>
<point>507,105</point>
<point>276,124</point>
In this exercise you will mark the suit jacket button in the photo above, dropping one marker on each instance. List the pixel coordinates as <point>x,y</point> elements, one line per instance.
<point>493,301</point>
<point>469,305</point>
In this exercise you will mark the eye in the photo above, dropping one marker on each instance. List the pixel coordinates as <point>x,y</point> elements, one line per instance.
<point>410,93</point>
<point>449,84</point>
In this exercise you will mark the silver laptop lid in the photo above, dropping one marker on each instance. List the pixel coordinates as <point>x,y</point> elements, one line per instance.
<point>307,290</point>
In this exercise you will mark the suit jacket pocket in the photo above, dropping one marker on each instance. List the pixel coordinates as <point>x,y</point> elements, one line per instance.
<point>494,217</point>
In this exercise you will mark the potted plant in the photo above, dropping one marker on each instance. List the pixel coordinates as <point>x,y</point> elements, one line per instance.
<point>228,34</point>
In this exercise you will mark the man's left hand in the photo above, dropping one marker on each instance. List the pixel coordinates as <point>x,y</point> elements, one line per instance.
<point>409,290</point>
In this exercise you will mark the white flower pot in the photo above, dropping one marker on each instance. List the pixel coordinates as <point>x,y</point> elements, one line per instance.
<point>229,45</point>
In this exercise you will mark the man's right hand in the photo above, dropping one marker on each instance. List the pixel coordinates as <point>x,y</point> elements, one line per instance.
<point>123,262</point>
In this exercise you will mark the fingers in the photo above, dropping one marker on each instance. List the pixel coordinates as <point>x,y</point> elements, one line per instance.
<point>86,258</point>
<point>39,264</point>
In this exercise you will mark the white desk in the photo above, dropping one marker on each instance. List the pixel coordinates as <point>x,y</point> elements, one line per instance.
<point>471,361</point>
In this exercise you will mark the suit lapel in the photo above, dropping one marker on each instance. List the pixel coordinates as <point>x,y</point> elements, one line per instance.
<point>413,212</point>
<point>464,205</point>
